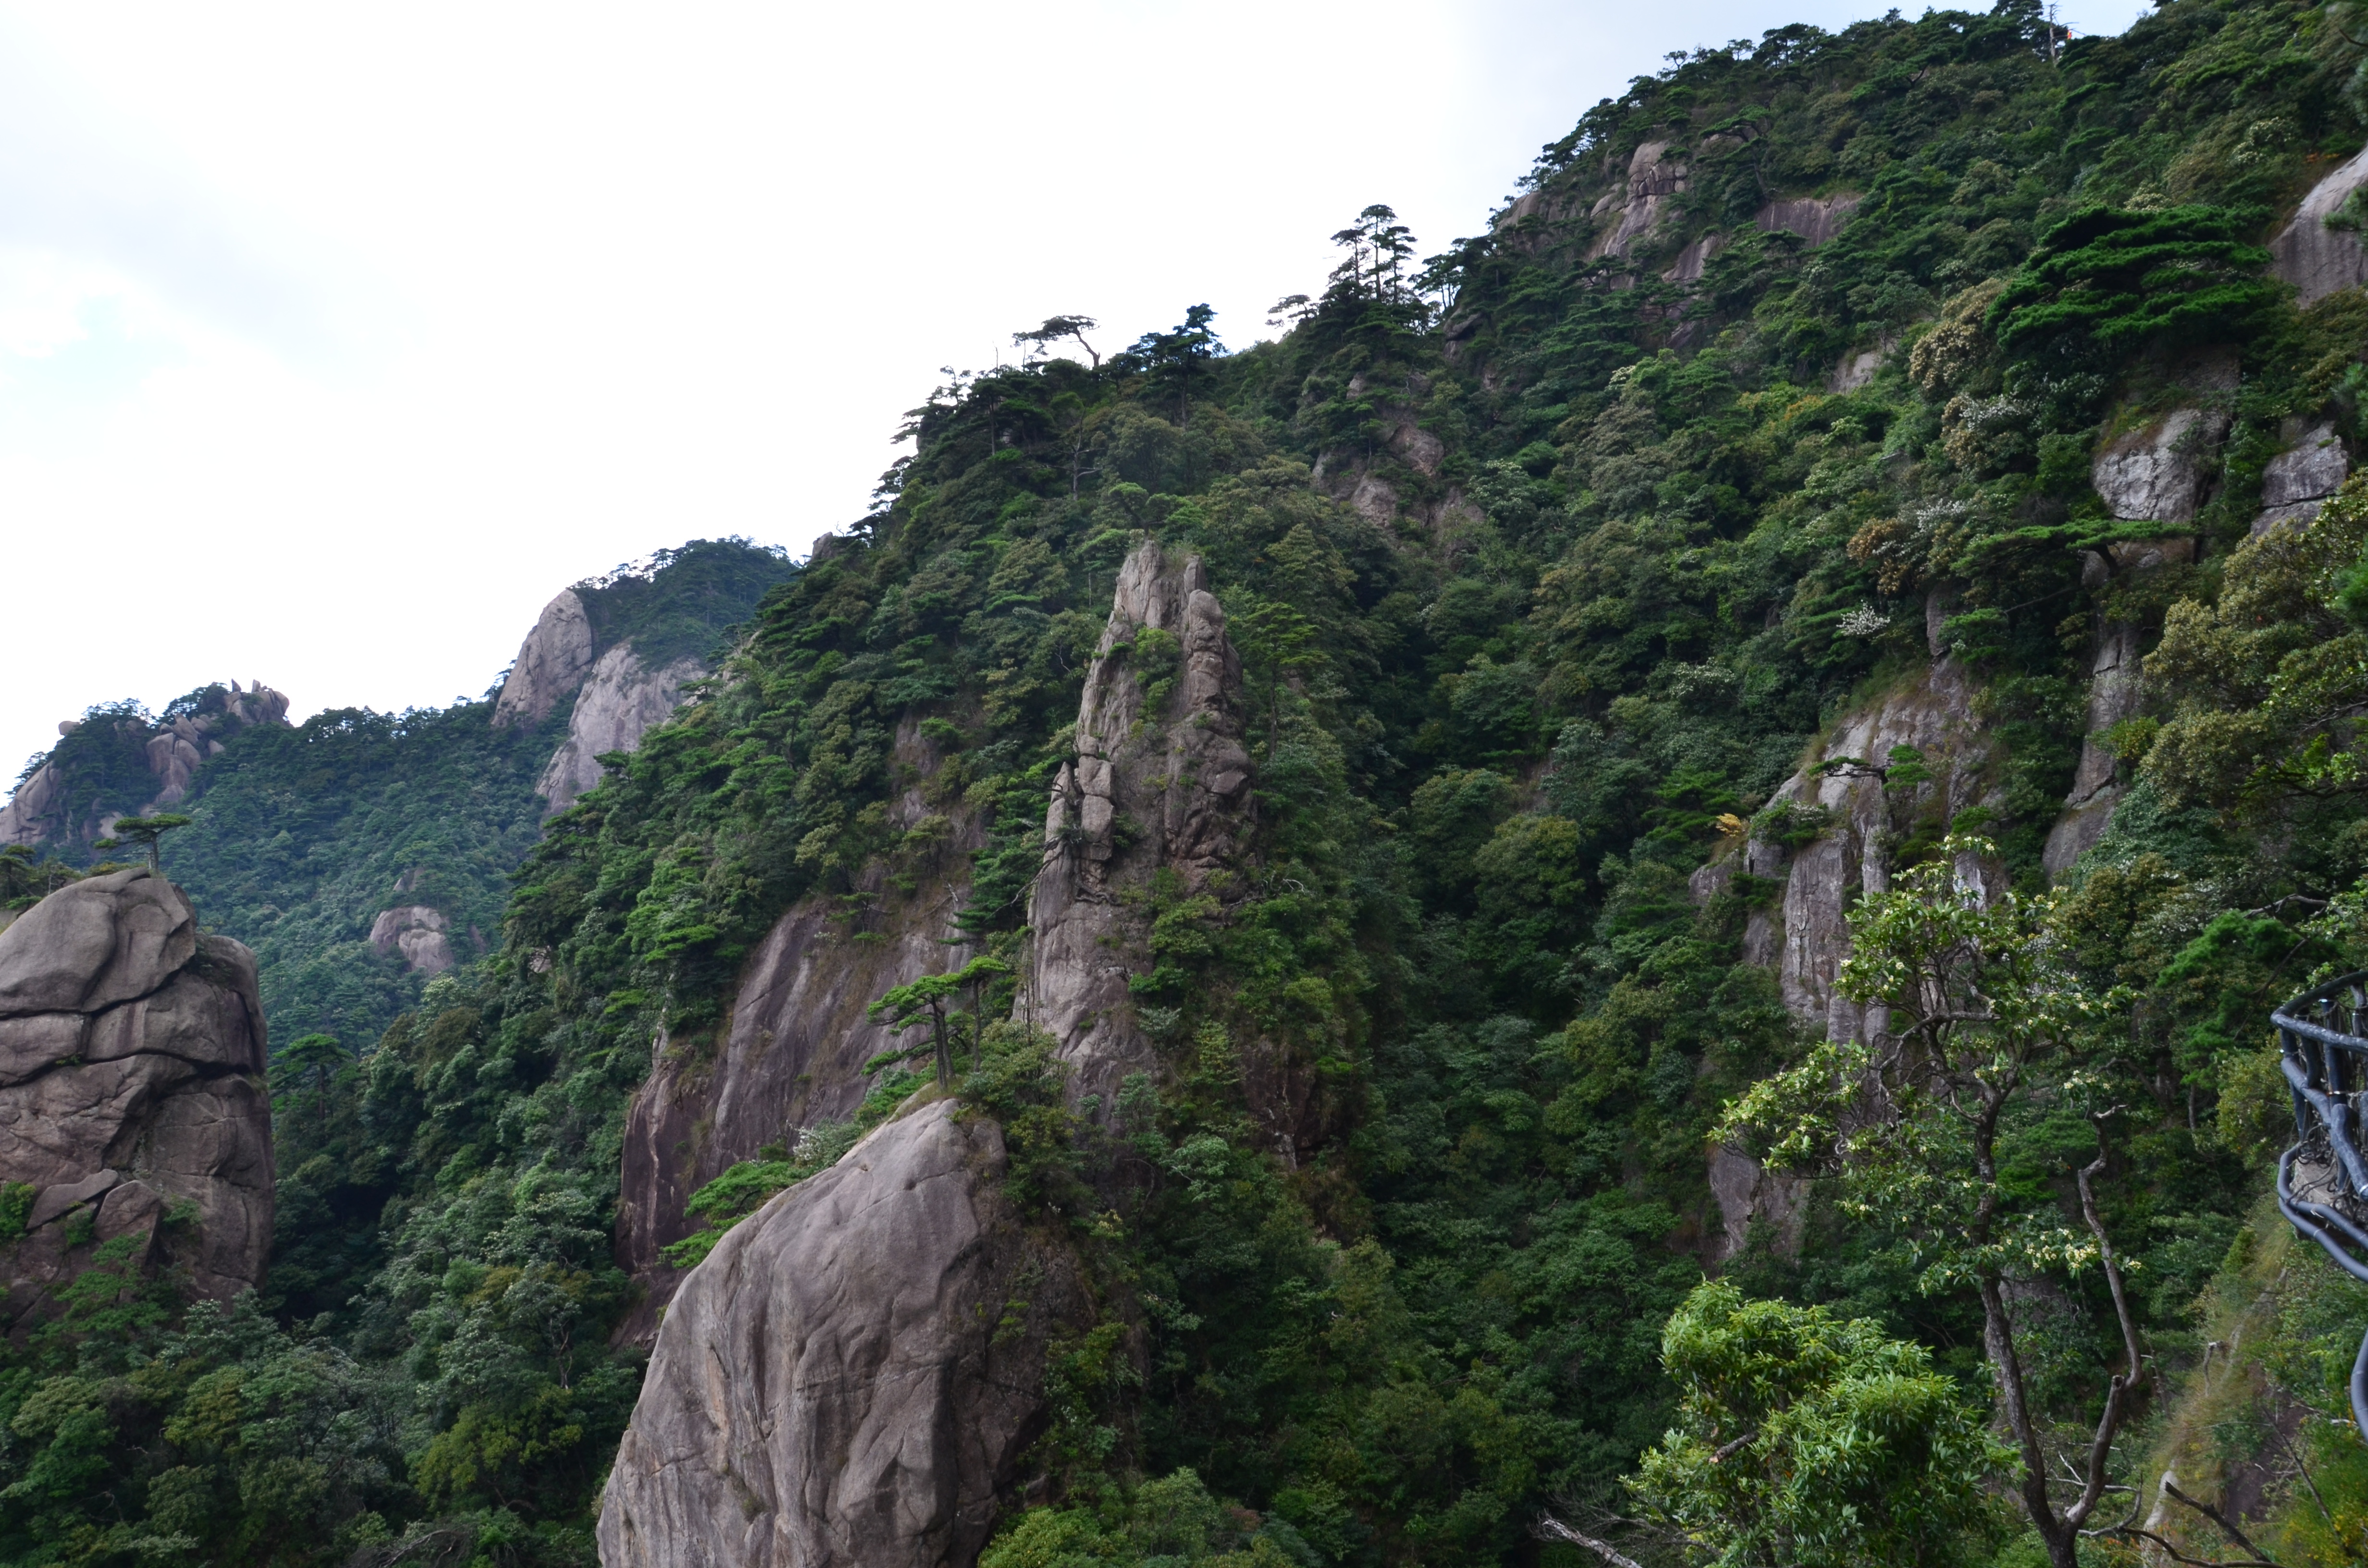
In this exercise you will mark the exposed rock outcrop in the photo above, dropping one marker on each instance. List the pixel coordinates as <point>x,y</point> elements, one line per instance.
<point>1635,207</point>
<point>855,1370</point>
<point>2316,259</point>
<point>794,1044</point>
<point>1697,256</point>
<point>173,748</point>
<point>618,704</point>
<point>1160,781</point>
<point>1865,815</point>
<point>417,933</point>
<point>1745,1191</point>
<point>1815,219</point>
<point>2298,480</point>
<point>131,1050</point>
<point>851,1376</point>
<point>792,1058</point>
<point>1861,807</point>
<point>2116,688</point>
<point>551,665</point>
<point>2157,471</point>
<point>1856,368</point>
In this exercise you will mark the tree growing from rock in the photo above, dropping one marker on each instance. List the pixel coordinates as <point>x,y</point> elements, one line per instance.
<point>927,1000</point>
<point>145,832</point>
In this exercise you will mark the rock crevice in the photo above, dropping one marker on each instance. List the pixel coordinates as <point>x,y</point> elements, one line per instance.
<point>1160,781</point>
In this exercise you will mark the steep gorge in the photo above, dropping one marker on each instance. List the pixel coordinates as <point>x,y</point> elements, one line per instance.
<point>1390,788</point>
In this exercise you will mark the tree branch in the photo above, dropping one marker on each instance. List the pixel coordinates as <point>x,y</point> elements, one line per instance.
<point>2109,1420</point>
<point>2227,1526</point>
<point>2175,1554</point>
<point>1552,1528</point>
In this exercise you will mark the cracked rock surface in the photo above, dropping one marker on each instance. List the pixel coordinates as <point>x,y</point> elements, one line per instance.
<point>132,1056</point>
<point>1160,782</point>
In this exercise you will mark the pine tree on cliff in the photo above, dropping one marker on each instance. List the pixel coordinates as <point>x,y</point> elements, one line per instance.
<point>928,997</point>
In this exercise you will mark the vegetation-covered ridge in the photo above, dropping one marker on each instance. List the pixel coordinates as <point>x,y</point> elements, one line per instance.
<point>1545,562</point>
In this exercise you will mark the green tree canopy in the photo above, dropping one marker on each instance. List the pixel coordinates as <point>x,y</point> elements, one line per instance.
<point>1807,1438</point>
<point>2121,280</point>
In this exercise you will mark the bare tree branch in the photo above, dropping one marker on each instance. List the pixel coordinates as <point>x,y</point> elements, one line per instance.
<point>2227,1526</point>
<point>1552,1528</point>
<point>2175,1554</point>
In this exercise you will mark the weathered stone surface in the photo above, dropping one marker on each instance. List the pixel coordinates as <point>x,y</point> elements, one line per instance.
<point>797,1038</point>
<point>418,933</point>
<point>831,1385</point>
<point>784,1420</point>
<point>2155,472</point>
<point>1697,254</point>
<point>2116,689</point>
<point>551,663</point>
<point>834,1387</point>
<point>1856,369</point>
<point>1745,1191</point>
<point>173,759</point>
<point>2312,468</point>
<point>792,1058</point>
<point>136,1087</point>
<point>22,819</point>
<point>94,943</point>
<point>1637,207</point>
<point>1178,777</point>
<point>620,703</point>
<point>1932,713</point>
<point>1815,219</point>
<point>2316,259</point>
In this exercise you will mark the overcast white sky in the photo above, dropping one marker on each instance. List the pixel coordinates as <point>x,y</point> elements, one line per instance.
<point>334,339</point>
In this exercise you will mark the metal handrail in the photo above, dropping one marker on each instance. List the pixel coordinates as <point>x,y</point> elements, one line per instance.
<point>2323,1055</point>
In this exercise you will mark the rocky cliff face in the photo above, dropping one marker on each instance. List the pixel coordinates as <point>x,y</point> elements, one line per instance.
<point>1160,781</point>
<point>2299,480</point>
<point>619,703</point>
<point>842,1381</point>
<point>793,1048</point>
<point>131,1055</point>
<point>416,932</point>
<point>1867,811</point>
<point>853,1374</point>
<point>551,663</point>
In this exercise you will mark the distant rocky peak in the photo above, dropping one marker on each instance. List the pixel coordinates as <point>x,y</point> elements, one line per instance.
<point>75,794</point>
<point>551,665</point>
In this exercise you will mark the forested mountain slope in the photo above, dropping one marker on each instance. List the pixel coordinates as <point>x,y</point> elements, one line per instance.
<point>1361,810</point>
<point>325,845</point>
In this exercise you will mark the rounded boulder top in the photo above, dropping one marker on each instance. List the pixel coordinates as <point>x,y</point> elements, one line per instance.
<point>98,942</point>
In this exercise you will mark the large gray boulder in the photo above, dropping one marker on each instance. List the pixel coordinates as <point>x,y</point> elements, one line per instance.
<point>793,1051</point>
<point>2156,473</point>
<point>131,1060</point>
<point>97,942</point>
<point>852,1374</point>
<point>2297,482</point>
